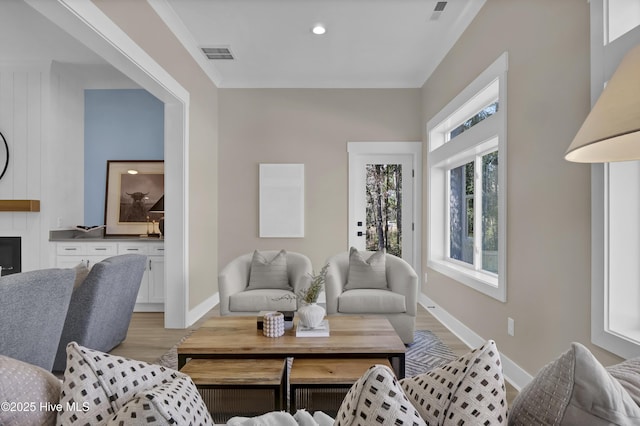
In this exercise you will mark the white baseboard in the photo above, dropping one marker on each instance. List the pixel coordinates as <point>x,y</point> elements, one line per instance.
<point>199,311</point>
<point>513,373</point>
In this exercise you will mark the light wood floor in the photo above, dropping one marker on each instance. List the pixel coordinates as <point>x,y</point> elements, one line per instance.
<point>148,340</point>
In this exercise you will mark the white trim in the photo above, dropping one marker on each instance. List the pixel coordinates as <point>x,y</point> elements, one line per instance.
<point>443,155</point>
<point>202,309</point>
<point>388,148</point>
<point>86,22</point>
<point>604,61</point>
<point>499,67</point>
<point>513,373</point>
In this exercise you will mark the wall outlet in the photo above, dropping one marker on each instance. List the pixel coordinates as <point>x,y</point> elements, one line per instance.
<point>59,222</point>
<point>511,326</point>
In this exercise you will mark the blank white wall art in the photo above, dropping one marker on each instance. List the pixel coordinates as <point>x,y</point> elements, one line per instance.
<point>281,200</point>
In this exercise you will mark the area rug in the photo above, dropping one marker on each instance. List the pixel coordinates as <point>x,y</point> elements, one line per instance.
<point>424,354</point>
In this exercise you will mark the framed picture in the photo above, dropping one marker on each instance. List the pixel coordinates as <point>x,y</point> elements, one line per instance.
<point>133,187</point>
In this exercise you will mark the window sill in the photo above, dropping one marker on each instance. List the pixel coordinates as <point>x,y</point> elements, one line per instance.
<point>485,283</point>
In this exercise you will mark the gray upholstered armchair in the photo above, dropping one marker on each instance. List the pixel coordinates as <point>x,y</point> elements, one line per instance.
<point>397,301</point>
<point>33,306</point>
<point>101,307</point>
<point>242,294</point>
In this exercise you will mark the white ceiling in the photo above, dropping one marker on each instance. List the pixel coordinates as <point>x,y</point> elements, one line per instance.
<point>369,43</point>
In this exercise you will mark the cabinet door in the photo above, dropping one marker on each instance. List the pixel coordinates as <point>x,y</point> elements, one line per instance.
<point>156,279</point>
<point>143,293</point>
<point>70,261</point>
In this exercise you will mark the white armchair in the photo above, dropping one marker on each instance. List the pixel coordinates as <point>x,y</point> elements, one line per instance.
<point>236,298</point>
<point>398,301</point>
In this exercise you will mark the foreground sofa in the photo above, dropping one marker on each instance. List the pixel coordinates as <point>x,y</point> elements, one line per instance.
<point>33,308</point>
<point>101,306</point>
<point>101,389</point>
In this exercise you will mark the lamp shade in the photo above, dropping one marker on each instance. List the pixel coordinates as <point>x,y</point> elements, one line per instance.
<point>611,131</point>
<point>158,207</point>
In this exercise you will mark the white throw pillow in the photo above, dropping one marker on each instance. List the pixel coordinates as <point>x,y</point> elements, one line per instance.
<point>377,398</point>
<point>366,271</point>
<point>31,393</point>
<point>81,274</point>
<point>469,390</point>
<point>269,273</point>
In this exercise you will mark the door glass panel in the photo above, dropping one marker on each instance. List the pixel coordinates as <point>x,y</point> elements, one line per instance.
<point>384,208</point>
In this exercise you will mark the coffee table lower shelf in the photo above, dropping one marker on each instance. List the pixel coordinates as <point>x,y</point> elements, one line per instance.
<point>239,387</point>
<point>322,384</point>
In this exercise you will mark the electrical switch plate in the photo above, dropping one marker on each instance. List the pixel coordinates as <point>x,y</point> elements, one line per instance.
<point>511,326</point>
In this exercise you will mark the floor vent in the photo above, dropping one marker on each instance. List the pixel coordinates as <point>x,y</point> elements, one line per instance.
<point>217,53</point>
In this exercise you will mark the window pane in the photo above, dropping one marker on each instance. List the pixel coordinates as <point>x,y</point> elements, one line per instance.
<point>384,208</point>
<point>490,212</point>
<point>485,113</point>
<point>461,213</point>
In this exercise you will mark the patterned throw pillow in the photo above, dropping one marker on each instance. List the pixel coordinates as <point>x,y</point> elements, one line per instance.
<point>469,390</point>
<point>98,385</point>
<point>377,399</point>
<point>176,402</point>
<point>30,391</point>
<point>269,274</point>
<point>574,389</point>
<point>366,273</point>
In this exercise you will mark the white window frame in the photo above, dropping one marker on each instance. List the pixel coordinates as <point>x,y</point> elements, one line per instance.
<point>606,55</point>
<point>443,155</point>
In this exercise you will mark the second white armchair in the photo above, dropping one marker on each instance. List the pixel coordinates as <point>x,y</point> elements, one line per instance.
<point>362,283</point>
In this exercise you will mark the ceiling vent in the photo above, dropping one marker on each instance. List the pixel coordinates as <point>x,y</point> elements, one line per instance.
<point>217,53</point>
<point>437,11</point>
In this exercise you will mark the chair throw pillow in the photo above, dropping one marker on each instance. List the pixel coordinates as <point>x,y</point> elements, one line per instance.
<point>100,389</point>
<point>574,389</point>
<point>469,390</point>
<point>29,392</point>
<point>269,274</point>
<point>81,274</point>
<point>376,398</point>
<point>366,272</point>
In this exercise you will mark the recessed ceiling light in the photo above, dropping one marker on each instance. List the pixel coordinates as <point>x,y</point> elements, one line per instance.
<point>318,29</point>
<point>132,171</point>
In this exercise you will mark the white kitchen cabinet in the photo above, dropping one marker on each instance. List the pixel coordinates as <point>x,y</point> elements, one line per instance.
<point>151,294</point>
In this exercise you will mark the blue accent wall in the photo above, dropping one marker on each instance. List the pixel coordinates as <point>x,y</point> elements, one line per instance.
<point>122,124</point>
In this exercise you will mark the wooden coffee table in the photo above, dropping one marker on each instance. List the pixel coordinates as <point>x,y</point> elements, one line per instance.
<point>351,337</point>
